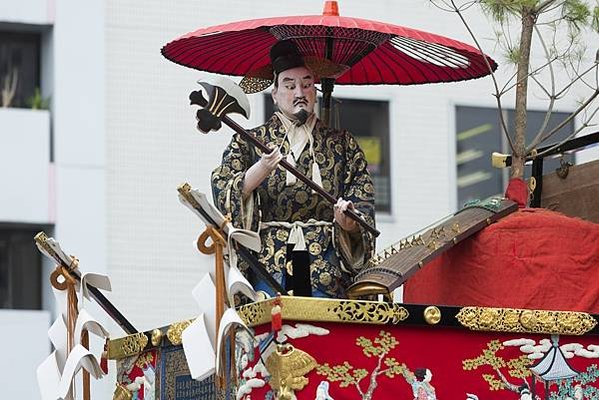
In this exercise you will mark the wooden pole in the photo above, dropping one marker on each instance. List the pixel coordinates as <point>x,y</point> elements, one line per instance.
<point>216,248</point>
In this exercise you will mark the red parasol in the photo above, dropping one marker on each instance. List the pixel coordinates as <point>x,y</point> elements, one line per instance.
<point>369,52</point>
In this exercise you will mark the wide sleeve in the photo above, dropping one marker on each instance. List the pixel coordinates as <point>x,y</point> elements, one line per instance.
<point>227,185</point>
<point>358,247</point>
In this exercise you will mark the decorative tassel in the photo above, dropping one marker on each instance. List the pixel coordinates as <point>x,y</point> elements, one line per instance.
<point>104,361</point>
<point>290,179</point>
<point>316,177</point>
<point>276,320</point>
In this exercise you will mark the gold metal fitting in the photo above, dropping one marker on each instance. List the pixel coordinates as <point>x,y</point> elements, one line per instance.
<point>432,315</point>
<point>156,337</point>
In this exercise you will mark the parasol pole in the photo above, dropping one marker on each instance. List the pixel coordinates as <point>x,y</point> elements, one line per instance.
<point>327,84</point>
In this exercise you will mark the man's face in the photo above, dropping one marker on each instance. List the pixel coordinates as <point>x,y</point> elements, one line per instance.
<point>295,92</point>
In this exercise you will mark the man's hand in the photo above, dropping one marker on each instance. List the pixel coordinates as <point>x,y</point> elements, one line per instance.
<point>260,170</point>
<point>343,220</point>
<point>271,160</point>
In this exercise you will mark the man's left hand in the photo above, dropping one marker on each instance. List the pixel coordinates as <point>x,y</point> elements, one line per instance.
<point>343,220</point>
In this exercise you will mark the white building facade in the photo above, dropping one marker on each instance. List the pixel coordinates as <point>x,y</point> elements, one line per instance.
<point>99,170</point>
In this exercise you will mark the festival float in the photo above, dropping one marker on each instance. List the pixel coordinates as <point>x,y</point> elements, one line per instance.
<point>500,300</point>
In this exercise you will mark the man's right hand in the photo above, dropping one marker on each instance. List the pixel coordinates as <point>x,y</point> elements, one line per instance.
<point>271,160</point>
<point>260,170</point>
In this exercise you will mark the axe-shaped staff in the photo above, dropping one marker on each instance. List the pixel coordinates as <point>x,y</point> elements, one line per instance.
<point>227,97</point>
<point>43,241</point>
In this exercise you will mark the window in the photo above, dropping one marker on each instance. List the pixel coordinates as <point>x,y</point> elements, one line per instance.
<point>20,269</point>
<point>368,121</point>
<point>19,67</point>
<point>479,135</point>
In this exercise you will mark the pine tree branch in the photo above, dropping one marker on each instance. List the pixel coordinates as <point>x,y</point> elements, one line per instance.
<point>578,77</point>
<point>533,72</point>
<point>572,135</point>
<point>374,375</point>
<point>563,123</point>
<point>357,385</point>
<point>497,95</point>
<point>544,6</point>
<point>508,385</point>
<point>506,89</point>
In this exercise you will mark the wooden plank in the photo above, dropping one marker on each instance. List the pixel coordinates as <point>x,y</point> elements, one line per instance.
<point>576,194</point>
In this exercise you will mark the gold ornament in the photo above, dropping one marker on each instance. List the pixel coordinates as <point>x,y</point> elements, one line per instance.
<point>526,321</point>
<point>156,337</point>
<point>130,345</point>
<point>325,310</point>
<point>287,367</point>
<point>315,249</point>
<point>432,315</point>
<point>121,393</point>
<point>176,330</point>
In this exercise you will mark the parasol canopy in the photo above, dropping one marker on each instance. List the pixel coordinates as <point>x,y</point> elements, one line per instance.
<point>369,52</point>
<point>352,51</point>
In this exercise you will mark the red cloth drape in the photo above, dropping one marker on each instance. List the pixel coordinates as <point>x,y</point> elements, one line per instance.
<point>534,258</point>
<point>517,190</point>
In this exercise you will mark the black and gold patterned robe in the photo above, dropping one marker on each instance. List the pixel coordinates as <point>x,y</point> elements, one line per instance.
<point>335,255</point>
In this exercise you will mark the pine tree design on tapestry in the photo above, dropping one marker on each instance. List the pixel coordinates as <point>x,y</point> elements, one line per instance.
<point>516,368</point>
<point>347,375</point>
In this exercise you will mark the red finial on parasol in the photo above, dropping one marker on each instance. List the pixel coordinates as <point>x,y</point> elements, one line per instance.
<point>331,8</point>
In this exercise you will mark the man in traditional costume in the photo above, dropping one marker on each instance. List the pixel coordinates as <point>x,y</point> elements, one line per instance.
<point>308,246</point>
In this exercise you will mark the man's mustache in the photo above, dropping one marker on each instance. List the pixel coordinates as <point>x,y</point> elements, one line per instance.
<point>300,100</point>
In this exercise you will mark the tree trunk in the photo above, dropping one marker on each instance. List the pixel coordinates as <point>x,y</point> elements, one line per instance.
<point>518,157</point>
<point>373,376</point>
